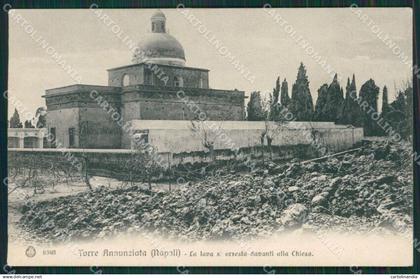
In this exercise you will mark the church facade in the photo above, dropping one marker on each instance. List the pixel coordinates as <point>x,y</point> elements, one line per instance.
<point>155,87</point>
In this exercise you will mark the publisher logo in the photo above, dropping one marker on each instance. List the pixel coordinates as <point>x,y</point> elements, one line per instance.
<point>30,252</point>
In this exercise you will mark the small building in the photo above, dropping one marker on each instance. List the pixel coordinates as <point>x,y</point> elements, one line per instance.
<point>158,86</point>
<point>26,137</point>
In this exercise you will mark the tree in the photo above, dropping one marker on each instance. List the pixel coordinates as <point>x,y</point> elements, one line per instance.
<point>284,97</point>
<point>277,107</point>
<point>144,164</point>
<point>346,112</point>
<point>301,104</point>
<point>151,167</point>
<point>85,171</point>
<point>274,102</point>
<point>276,91</point>
<point>40,117</point>
<point>330,101</point>
<point>385,109</point>
<point>321,103</point>
<point>399,114</point>
<point>351,113</point>
<point>28,124</point>
<point>15,120</point>
<point>409,110</point>
<point>255,108</point>
<point>369,93</point>
<point>385,105</point>
<point>207,134</point>
<point>265,136</point>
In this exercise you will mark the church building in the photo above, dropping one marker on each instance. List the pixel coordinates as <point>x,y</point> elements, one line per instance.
<point>155,87</point>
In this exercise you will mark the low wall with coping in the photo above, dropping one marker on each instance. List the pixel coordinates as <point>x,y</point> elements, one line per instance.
<point>181,145</point>
<point>189,136</point>
<point>113,163</point>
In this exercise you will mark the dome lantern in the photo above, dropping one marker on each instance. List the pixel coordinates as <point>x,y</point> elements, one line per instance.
<point>159,47</point>
<point>158,21</point>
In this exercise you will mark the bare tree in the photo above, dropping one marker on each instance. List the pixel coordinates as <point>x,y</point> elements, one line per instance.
<point>272,129</point>
<point>208,135</point>
<point>26,173</point>
<point>86,175</point>
<point>263,136</point>
<point>144,164</point>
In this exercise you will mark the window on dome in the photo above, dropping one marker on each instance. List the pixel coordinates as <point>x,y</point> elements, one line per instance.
<point>178,82</point>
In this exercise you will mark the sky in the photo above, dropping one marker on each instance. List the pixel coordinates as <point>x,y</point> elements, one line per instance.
<point>256,40</point>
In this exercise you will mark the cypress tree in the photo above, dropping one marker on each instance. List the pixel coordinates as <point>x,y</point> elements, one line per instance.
<point>409,110</point>
<point>276,91</point>
<point>28,124</point>
<point>369,93</point>
<point>274,102</point>
<point>408,127</point>
<point>321,102</point>
<point>346,112</point>
<point>255,107</point>
<point>385,105</point>
<point>400,113</point>
<point>284,97</point>
<point>15,120</point>
<point>301,104</point>
<point>330,102</point>
<point>276,111</point>
<point>351,113</point>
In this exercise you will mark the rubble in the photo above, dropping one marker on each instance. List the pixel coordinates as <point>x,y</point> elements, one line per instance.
<point>294,215</point>
<point>367,190</point>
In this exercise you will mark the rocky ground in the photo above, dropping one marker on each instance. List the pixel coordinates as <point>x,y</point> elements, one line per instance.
<point>367,190</point>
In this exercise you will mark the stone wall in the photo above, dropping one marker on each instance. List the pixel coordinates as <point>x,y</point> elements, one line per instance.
<point>61,120</point>
<point>166,136</point>
<point>76,107</point>
<point>135,74</point>
<point>171,103</point>
<point>177,145</point>
<point>98,129</point>
<point>111,163</point>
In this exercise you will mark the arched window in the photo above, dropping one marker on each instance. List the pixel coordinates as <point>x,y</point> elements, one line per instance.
<point>178,82</point>
<point>126,80</point>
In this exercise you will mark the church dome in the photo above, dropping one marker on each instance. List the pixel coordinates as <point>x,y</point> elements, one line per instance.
<point>158,46</point>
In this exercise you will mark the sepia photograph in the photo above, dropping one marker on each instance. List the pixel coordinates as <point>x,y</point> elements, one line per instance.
<point>210,137</point>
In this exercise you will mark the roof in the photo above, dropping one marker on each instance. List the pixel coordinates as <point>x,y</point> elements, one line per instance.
<point>160,45</point>
<point>80,88</point>
<point>158,15</point>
